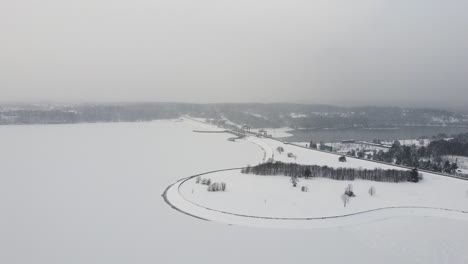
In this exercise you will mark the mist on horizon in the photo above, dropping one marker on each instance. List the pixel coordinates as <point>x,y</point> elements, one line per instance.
<point>325,52</point>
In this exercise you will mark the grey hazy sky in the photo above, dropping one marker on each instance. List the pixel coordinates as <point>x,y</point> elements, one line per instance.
<point>325,51</point>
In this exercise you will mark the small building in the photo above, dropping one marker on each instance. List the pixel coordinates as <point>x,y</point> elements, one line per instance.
<point>245,128</point>
<point>263,132</point>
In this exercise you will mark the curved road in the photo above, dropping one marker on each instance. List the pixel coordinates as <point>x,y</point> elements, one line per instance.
<point>209,214</point>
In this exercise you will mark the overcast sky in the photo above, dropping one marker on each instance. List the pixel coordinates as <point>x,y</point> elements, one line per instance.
<point>392,52</point>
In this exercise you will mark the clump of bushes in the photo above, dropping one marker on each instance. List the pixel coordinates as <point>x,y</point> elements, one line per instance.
<point>203,181</point>
<point>217,187</point>
<point>280,149</point>
<point>414,175</point>
<point>212,187</point>
<point>304,189</point>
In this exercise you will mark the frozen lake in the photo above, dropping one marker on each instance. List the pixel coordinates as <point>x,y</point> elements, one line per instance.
<point>91,193</point>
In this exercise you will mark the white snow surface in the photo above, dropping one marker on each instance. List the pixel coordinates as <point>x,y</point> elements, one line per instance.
<point>91,193</point>
<point>258,116</point>
<point>296,115</point>
<point>274,196</point>
<point>416,142</point>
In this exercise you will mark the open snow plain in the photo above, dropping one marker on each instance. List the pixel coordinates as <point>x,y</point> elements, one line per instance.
<point>91,193</point>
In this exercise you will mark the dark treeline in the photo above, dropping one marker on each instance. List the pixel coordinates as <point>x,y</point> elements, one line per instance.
<point>306,171</point>
<point>458,145</point>
<point>92,113</point>
<point>254,115</point>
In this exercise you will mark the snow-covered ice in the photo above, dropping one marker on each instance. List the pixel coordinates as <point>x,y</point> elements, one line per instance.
<point>91,193</point>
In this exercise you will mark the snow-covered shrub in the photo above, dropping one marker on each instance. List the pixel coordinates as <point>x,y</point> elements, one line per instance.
<point>214,187</point>
<point>349,191</point>
<point>217,187</point>
<point>304,189</point>
<point>372,191</point>
<point>205,181</point>
<point>280,149</point>
<point>198,180</point>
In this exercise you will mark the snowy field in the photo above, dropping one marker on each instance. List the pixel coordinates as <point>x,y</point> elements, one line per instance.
<point>274,196</point>
<point>91,193</point>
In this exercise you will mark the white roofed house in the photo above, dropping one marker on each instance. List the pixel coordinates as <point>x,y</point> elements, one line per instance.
<point>263,132</point>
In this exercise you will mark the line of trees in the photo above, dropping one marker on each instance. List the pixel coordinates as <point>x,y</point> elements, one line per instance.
<point>308,171</point>
<point>212,187</point>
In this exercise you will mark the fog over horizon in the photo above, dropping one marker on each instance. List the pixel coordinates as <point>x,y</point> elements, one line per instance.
<point>381,52</point>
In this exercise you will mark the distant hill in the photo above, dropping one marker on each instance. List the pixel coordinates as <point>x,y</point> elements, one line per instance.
<point>253,114</point>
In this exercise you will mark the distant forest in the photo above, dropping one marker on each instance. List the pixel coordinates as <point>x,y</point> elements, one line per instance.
<point>271,115</point>
<point>430,157</point>
<point>349,174</point>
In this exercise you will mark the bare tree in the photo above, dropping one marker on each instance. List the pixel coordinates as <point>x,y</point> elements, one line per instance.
<point>372,191</point>
<point>307,173</point>
<point>349,191</point>
<point>294,180</point>
<point>345,199</point>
